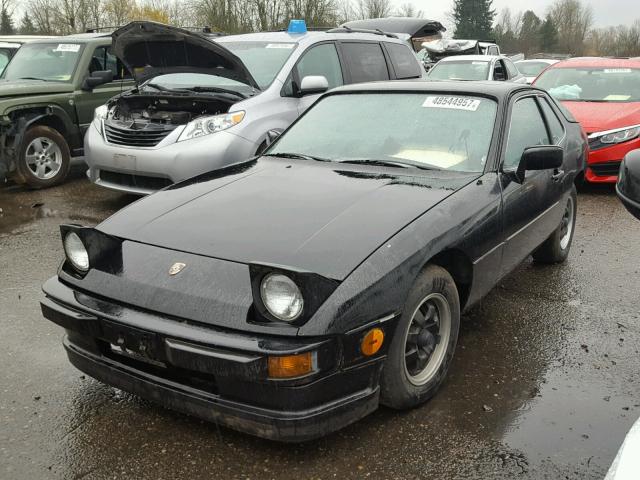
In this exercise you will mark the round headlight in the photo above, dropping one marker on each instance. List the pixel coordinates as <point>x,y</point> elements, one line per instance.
<point>281,296</point>
<point>76,252</point>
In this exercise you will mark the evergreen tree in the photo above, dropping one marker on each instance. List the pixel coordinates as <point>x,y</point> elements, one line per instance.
<point>530,33</point>
<point>6,23</point>
<point>548,35</point>
<point>26,26</point>
<point>473,18</point>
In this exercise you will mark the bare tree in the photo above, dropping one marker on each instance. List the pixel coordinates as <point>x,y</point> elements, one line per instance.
<point>408,10</point>
<point>573,21</point>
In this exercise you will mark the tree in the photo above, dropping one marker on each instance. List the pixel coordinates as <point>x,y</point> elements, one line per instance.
<point>573,21</point>
<point>409,10</point>
<point>6,23</point>
<point>374,8</point>
<point>548,35</point>
<point>26,25</point>
<point>529,38</point>
<point>473,18</point>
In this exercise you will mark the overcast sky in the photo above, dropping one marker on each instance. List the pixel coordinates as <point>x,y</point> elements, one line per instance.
<point>605,12</point>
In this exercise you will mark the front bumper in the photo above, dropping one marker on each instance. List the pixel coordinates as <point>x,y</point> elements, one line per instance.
<point>145,170</point>
<point>603,164</point>
<point>219,375</point>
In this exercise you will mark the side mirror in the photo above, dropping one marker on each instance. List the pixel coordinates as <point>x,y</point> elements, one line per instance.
<point>272,136</point>
<point>628,186</point>
<point>97,78</point>
<point>313,84</point>
<point>542,157</point>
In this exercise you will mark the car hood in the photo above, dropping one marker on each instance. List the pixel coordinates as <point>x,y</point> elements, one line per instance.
<point>17,88</point>
<point>321,217</point>
<point>149,49</point>
<point>602,116</point>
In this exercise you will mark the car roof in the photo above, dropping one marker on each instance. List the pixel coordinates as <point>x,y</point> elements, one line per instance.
<point>305,38</point>
<point>23,38</point>
<point>549,61</point>
<point>598,62</point>
<point>76,37</point>
<point>500,90</point>
<point>471,58</point>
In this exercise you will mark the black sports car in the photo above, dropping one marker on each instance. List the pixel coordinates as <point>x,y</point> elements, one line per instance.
<point>288,295</point>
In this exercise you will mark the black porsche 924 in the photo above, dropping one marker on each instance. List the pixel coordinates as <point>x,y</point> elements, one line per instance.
<point>288,295</point>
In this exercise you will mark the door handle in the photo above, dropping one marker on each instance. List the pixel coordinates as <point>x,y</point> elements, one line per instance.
<point>558,175</point>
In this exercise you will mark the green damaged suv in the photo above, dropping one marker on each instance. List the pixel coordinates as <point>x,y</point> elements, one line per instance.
<point>48,94</point>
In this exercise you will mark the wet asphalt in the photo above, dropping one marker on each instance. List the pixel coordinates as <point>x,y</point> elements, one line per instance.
<point>545,382</point>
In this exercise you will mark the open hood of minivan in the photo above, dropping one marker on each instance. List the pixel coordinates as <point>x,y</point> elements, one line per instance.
<point>149,49</point>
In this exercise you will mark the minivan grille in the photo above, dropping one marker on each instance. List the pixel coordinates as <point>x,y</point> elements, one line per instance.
<point>147,136</point>
<point>134,181</point>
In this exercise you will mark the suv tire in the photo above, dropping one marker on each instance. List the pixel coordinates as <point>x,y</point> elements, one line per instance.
<point>44,159</point>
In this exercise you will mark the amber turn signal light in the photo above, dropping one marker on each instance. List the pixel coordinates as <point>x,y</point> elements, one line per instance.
<point>290,366</point>
<point>372,342</point>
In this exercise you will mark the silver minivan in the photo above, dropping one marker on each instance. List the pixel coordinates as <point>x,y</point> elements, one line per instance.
<point>202,103</point>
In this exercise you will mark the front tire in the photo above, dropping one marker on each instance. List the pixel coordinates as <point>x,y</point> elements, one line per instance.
<point>44,159</point>
<point>425,340</point>
<point>555,249</point>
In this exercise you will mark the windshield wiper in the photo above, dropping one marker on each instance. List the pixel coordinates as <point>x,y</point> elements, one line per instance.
<point>157,87</point>
<point>388,163</point>
<point>35,78</point>
<point>215,89</point>
<point>298,156</point>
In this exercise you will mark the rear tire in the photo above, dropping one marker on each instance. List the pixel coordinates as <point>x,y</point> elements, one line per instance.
<point>424,342</point>
<point>44,159</point>
<point>555,249</point>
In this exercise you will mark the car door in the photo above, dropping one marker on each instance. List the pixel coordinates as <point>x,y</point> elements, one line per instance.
<point>531,207</point>
<point>364,61</point>
<point>86,102</point>
<point>499,71</point>
<point>319,60</point>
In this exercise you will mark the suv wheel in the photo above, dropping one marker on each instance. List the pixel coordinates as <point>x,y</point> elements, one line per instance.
<point>44,159</point>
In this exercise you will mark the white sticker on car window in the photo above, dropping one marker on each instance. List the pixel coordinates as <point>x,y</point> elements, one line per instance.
<point>68,47</point>
<point>288,46</point>
<point>617,70</point>
<point>455,103</point>
<point>479,62</point>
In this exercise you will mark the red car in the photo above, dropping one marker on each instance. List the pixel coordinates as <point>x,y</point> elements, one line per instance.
<point>603,94</point>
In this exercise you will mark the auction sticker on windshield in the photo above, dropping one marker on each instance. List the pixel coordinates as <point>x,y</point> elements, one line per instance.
<point>288,46</point>
<point>68,47</point>
<point>454,103</point>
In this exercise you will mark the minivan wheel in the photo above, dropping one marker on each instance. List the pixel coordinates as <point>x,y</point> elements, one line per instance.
<point>555,249</point>
<point>44,159</point>
<point>424,342</point>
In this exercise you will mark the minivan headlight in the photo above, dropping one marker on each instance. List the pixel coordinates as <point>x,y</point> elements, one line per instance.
<point>208,125</point>
<point>76,252</point>
<point>281,297</point>
<point>100,113</point>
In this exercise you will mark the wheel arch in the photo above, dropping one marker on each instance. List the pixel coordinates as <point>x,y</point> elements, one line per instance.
<point>460,267</point>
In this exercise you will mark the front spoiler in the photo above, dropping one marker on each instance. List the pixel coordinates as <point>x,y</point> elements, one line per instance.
<point>270,424</point>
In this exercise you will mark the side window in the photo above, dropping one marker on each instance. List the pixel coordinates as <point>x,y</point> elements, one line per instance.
<point>321,60</point>
<point>527,129</point>
<point>499,73</point>
<point>104,59</point>
<point>366,62</point>
<point>493,51</point>
<point>557,130</point>
<point>404,61</point>
<point>512,69</point>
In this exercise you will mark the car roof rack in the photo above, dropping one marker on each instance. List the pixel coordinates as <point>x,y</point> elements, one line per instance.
<point>345,29</point>
<point>99,29</point>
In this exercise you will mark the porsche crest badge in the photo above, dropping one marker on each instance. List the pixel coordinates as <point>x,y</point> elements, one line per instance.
<point>176,268</point>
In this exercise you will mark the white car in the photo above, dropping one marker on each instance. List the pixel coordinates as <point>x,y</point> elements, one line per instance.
<point>476,67</point>
<point>534,67</point>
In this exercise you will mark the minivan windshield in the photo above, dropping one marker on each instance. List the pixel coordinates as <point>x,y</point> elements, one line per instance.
<point>426,130</point>
<point>591,84</point>
<point>263,60</point>
<point>54,62</point>
<point>531,69</point>
<point>460,70</point>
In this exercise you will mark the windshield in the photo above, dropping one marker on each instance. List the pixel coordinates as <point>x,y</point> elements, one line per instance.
<point>54,62</point>
<point>263,60</point>
<point>460,70</point>
<point>590,84</point>
<point>531,69</point>
<point>421,129</point>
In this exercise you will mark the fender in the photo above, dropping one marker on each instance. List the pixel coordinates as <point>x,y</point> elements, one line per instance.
<point>20,119</point>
